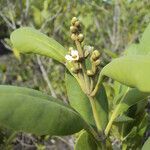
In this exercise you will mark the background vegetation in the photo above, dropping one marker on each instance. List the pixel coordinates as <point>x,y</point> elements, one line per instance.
<point>109,25</point>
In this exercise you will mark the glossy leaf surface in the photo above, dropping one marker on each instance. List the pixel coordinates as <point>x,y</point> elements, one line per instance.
<point>29,40</point>
<point>28,111</point>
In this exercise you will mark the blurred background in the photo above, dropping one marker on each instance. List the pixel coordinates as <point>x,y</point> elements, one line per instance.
<point>108,25</point>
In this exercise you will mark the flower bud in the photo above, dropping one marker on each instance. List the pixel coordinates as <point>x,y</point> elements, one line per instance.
<point>77,23</point>
<point>80,37</point>
<point>74,19</point>
<point>73,37</point>
<point>86,53</point>
<point>95,55</point>
<point>73,29</point>
<point>90,73</point>
<point>97,62</point>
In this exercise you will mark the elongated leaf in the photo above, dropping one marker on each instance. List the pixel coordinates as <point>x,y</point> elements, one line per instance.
<point>133,71</point>
<point>123,119</point>
<point>78,100</point>
<point>102,107</point>
<point>143,125</point>
<point>131,134</point>
<point>85,142</point>
<point>29,40</point>
<point>31,92</point>
<point>23,90</point>
<point>29,111</point>
<point>146,145</point>
<point>132,97</point>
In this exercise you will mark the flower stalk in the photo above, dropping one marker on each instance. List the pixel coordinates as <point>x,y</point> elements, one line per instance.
<point>85,77</point>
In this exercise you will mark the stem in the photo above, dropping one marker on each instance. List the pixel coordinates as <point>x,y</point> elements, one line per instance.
<point>86,78</point>
<point>95,135</point>
<point>79,48</point>
<point>111,122</point>
<point>91,84</point>
<point>95,113</point>
<point>99,82</point>
<point>114,115</point>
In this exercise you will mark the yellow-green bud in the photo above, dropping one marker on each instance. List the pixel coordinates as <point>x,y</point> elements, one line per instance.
<point>74,19</point>
<point>73,37</point>
<point>77,23</point>
<point>86,53</point>
<point>97,62</point>
<point>90,73</point>
<point>80,37</point>
<point>73,29</point>
<point>95,55</point>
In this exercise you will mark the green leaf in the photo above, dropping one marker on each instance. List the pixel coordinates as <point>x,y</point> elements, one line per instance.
<point>133,49</point>
<point>29,40</point>
<point>29,111</point>
<point>123,119</point>
<point>143,124</point>
<point>23,90</point>
<point>146,145</point>
<point>132,97</point>
<point>85,142</point>
<point>132,71</point>
<point>119,90</point>
<point>102,106</point>
<point>131,134</point>
<point>80,102</point>
<point>77,99</point>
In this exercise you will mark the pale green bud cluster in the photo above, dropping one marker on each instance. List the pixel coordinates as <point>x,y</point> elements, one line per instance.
<point>95,61</point>
<point>84,53</point>
<point>75,30</point>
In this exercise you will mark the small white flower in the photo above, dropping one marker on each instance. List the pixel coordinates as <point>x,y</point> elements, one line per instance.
<point>74,55</point>
<point>69,58</point>
<point>88,48</point>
